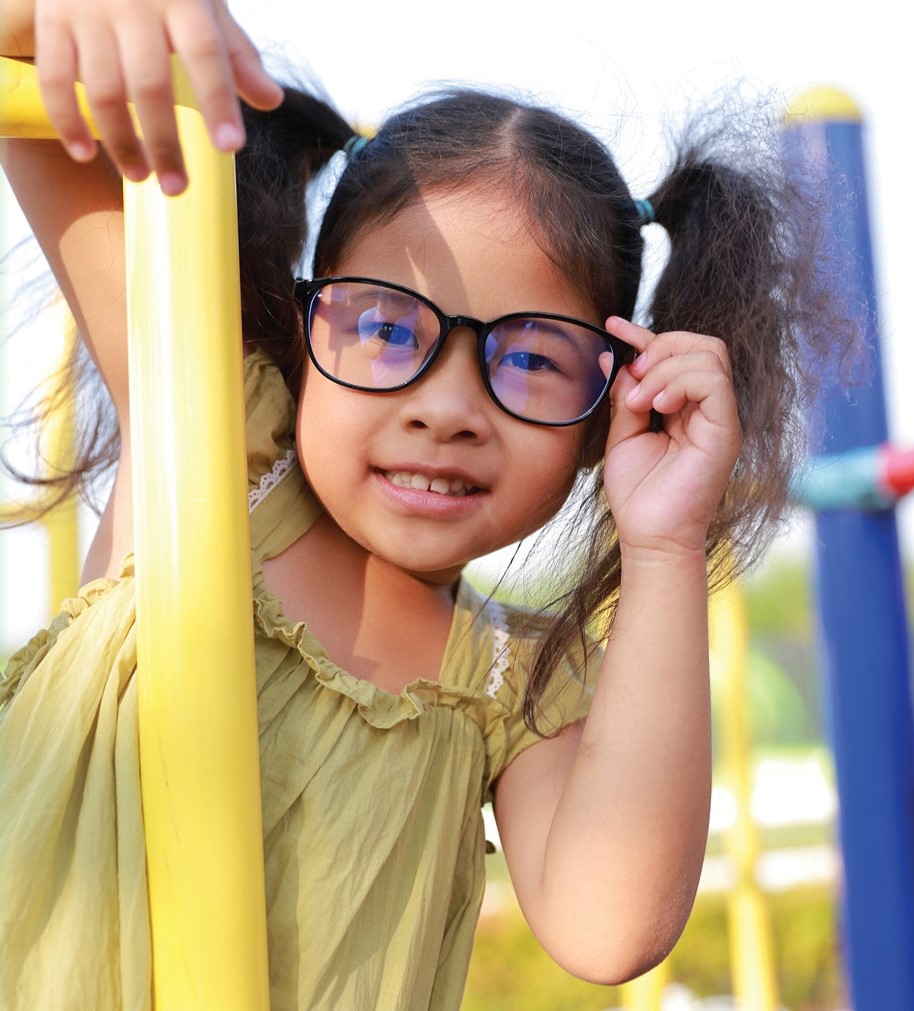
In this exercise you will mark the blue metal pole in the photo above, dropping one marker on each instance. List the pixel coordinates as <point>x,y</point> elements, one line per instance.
<point>861,605</point>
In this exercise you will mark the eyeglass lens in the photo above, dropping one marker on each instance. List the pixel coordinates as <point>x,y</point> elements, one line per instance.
<point>378,338</point>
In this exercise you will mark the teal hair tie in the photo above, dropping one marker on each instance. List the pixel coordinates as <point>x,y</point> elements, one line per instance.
<point>645,211</point>
<point>355,144</point>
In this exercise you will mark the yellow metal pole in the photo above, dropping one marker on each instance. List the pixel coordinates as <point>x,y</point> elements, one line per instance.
<point>646,992</point>
<point>197,703</point>
<point>22,111</point>
<point>198,718</point>
<point>751,952</point>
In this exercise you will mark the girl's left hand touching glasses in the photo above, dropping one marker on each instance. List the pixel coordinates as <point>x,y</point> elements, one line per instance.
<point>664,486</point>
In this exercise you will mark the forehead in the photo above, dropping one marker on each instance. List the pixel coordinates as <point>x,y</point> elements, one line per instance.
<point>472,253</point>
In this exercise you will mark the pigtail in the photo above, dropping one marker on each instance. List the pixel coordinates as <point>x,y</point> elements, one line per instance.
<point>286,148</point>
<point>742,266</point>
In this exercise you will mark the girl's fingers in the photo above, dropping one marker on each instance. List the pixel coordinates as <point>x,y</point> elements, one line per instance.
<point>122,54</point>
<point>674,343</point>
<point>145,50</point>
<point>197,38</point>
<point>252,82</point>
<point>671,371</point>
<point>625,422</point>
<point>638,336</point>
<point>658,376</point>
<point>56,58</point>
<point>709,387</point>
<point>100,69</point>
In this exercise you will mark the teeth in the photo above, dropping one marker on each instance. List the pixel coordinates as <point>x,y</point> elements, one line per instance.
<point>438,485</point>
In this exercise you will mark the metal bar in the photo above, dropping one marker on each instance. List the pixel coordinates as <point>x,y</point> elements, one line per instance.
<point>197,702</point>
<point>863,626</point>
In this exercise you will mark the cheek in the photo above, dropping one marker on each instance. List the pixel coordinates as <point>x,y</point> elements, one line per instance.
<point>551,473</point>
<point>313,428</point>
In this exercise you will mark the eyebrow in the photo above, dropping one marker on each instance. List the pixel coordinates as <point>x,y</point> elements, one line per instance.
<point>387,295</point>
<point>553,327</point>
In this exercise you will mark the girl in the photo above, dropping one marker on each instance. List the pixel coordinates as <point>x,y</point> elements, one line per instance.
<point>393,437</point>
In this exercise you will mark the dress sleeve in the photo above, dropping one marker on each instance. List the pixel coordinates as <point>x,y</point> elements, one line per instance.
<point>281,504</point>
<point>565,701</point>
<point>270,416</point>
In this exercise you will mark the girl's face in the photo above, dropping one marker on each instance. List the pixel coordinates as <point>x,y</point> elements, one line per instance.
<point>435,475</point>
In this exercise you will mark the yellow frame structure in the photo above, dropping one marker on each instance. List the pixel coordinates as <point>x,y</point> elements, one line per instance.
<point>197,696</point>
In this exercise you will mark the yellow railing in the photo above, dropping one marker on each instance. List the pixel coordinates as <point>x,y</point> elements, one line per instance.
<point>197,702</point>
<point>751,951</point>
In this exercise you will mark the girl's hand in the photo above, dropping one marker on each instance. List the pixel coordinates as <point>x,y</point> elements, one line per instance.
<point>120,50</point>
<point>664,487</point>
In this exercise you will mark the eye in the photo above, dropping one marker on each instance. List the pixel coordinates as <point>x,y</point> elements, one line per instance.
<point>527,361</point>
<point>393,334</point>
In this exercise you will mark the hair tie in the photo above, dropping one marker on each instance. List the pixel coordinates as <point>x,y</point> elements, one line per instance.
<point>355,144</point>
<point>645,211</point>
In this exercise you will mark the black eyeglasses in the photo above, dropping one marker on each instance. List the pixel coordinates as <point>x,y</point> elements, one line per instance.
<point>379,337</point>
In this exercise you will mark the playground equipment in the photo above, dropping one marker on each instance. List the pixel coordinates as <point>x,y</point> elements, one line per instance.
<point>197,706</point>
<point>864,639</point>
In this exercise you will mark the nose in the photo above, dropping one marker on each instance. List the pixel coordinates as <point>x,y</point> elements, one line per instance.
<point>450,401</point>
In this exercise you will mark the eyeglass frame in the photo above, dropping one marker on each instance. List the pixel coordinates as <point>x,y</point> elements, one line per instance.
<point>622,352</point>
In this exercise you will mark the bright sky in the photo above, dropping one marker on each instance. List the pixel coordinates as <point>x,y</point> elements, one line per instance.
<point>627,70</point>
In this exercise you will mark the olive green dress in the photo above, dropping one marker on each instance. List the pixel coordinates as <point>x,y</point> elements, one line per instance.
<point>373,837</point>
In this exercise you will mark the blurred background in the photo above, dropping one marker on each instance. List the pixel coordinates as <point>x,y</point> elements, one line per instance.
<point>631,72</point>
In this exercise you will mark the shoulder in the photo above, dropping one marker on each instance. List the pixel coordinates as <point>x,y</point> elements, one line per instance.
<point>269,414</point>
<point>499,642</point>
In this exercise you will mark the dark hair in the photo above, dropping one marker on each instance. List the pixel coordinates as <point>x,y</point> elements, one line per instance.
<point>740,267</point>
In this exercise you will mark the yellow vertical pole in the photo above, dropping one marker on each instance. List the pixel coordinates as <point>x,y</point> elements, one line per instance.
<point>751,951</point>
<point>646,992</point>
<point>197,703</point>
<point>198,719</point>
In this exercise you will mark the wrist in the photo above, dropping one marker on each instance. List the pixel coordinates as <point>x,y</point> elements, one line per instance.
<point>666,555</point>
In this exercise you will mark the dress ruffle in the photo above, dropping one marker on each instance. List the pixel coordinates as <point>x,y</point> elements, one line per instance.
<point>379,708</point>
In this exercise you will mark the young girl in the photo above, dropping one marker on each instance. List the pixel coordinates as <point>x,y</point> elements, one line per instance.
<point>392,438</point>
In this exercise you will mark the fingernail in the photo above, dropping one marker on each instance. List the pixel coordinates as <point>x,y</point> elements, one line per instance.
<point>639,363</point>
<point>632,394</point>
<point>81,150</point>
<point>172,183</point>
<point>228,136</point>
<point>136,173</point>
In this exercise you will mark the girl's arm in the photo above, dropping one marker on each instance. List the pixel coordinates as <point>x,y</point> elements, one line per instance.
<point>119,51</point>
<point>604,827</point>
<point>75,207</point>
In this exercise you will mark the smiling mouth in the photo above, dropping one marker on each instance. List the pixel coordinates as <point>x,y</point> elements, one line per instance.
<point>439,485</point>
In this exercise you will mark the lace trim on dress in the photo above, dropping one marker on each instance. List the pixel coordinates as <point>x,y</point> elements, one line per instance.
<point>501,648</point>
<point>271,479</point>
